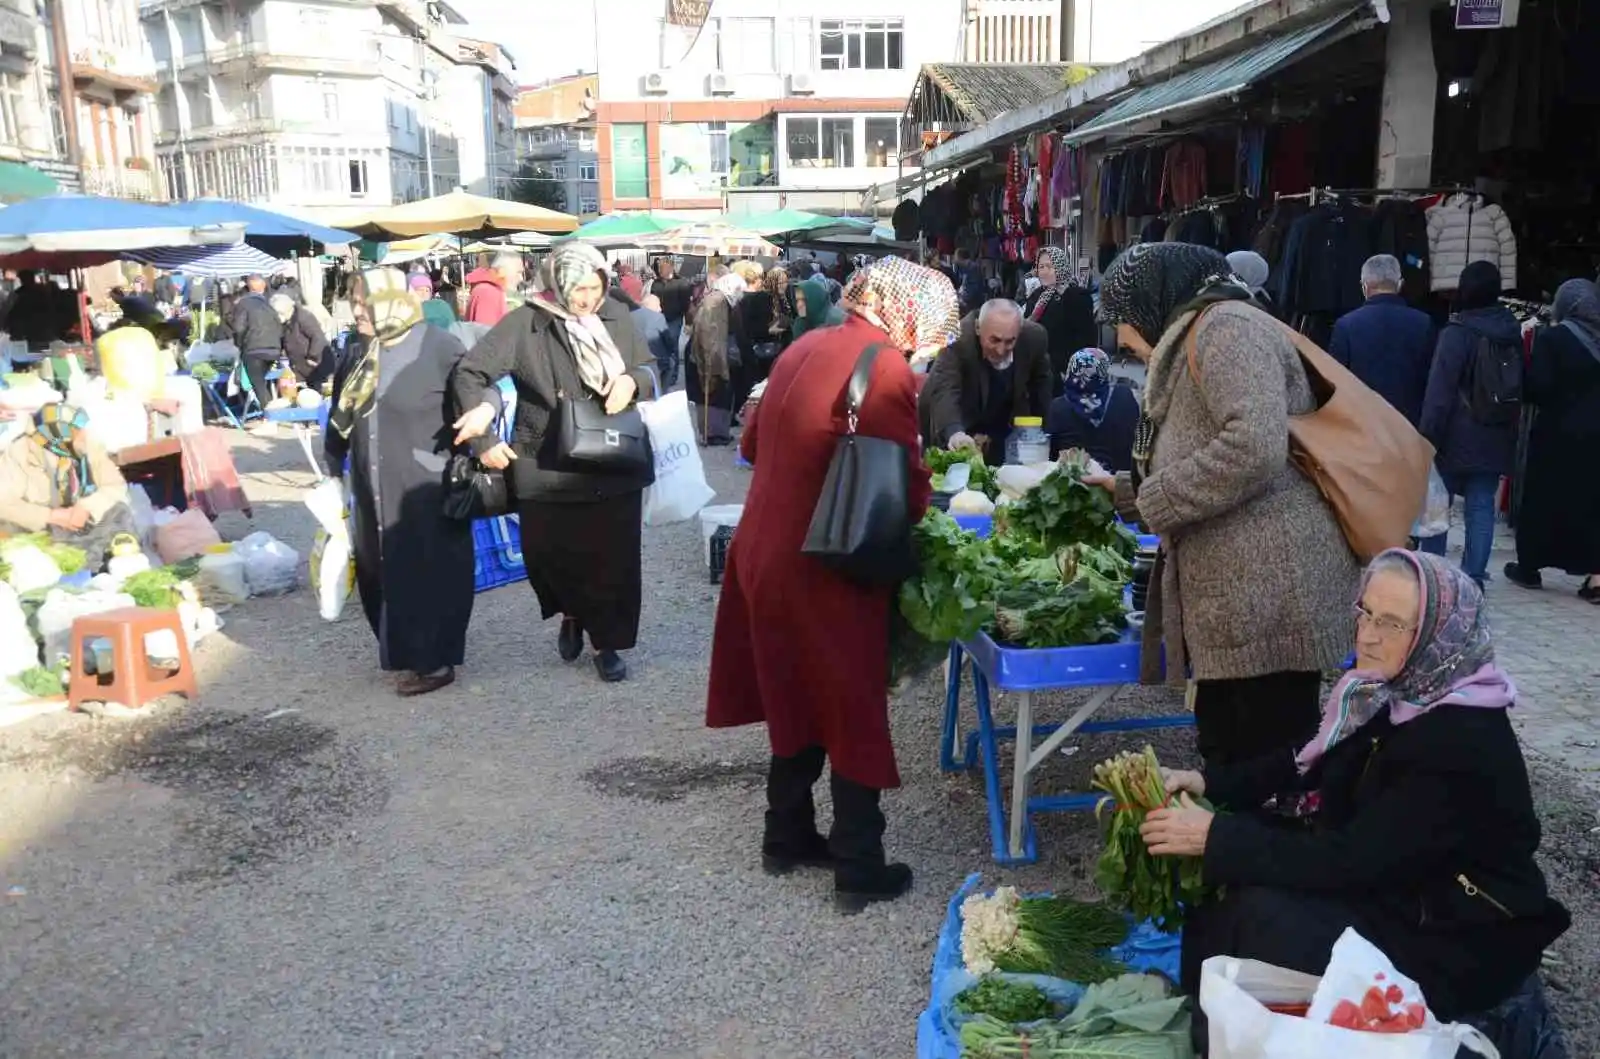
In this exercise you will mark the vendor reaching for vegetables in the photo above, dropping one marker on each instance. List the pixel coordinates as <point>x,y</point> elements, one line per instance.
<point>1249,593</point>
<point>56,476</point>
<point>998,369</point>
<point>1420,829</point>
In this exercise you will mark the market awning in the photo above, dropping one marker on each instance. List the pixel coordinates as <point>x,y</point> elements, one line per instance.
<point>212,262</point>
<point>1215,81</point>
<point>19,182</point>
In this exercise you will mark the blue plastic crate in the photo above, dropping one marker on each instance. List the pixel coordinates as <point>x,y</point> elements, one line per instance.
<point>983,525</point>
<point>1045,669</point>
<point>497,553</point>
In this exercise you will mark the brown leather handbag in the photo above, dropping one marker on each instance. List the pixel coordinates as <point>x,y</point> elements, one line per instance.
<point>1368,461</point>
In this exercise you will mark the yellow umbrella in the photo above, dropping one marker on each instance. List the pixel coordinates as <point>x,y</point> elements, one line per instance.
<point>460,213</point>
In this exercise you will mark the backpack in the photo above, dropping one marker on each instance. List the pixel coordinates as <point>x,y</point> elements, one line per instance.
<point>1365,458</point>
<point>1492,384</point>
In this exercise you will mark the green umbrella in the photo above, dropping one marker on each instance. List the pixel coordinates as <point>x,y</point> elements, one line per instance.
<point>621,228</point>
<point>20,182</point>
<point>785,222</point>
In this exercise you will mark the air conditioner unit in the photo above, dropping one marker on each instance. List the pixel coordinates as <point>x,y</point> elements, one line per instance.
<point>655,83</point>
<point>719,84</point>
<point>801,85</point>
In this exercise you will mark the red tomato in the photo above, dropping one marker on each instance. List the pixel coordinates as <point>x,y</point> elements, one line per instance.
<point>1393,994</point>
<point>1374,1008</point>
<point>1346,1015</point>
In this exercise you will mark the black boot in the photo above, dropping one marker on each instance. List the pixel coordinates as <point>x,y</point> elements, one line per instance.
<point>570,643</point>
<point>860,875</point>
<point>1517,574</point>
<point>791,840</point>
<point>610,666</point>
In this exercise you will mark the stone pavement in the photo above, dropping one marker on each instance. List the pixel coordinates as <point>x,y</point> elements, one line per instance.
<point>1549,641</point>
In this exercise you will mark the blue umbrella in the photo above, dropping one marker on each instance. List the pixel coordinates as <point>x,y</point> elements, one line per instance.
<point>91,224</point>
<point>212,262</point>
<point>259,223</point>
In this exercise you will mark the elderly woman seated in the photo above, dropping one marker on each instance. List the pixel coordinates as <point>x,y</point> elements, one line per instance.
<point>1413,820</point>
<point>56,477</point>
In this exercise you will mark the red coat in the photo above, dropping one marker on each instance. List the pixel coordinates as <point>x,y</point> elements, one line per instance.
<point>487,302</point>
<point>796,645</point>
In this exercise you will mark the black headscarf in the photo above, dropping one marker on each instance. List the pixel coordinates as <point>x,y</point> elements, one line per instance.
<point>1150,284</point>
<point>1479,287</point>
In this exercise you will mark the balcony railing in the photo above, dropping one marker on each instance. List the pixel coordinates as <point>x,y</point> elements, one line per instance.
<point>122,182</point>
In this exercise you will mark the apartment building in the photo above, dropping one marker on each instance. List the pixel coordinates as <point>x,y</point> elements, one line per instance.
<point>784,94</point>
<point>326,102</point>
<point>112,76</point>
<point>556,141</point>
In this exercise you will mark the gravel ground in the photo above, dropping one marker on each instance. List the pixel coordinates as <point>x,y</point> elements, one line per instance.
<point>529,863</point>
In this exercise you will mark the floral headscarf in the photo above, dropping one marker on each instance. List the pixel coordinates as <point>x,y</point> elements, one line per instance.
<point>53,431</point>
<point>394,310</point>
<point>1451,661</point>
<point>1088,384</point>
<point>1063,266</point>
<point>916,306</point>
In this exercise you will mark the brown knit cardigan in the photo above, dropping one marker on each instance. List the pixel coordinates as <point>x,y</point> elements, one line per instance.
<point>1255,576</point>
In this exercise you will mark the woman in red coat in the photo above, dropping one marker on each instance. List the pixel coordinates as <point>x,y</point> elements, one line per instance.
<point>797,645</point>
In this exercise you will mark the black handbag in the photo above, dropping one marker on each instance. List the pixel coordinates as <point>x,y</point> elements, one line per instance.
<point>473,491</point>
<point>861,526</point>
<point>590,442</point>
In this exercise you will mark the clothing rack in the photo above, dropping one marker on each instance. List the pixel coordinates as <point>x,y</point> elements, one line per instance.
<point>1316,195</point>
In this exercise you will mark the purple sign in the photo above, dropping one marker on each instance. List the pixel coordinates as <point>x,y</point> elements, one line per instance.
<point>1480,14</point>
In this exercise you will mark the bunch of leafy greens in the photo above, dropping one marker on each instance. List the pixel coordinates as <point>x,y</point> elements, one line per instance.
<point>952,595</point>
<point>68,560</point>
<point>1061,511</point>
<point>982,476</point>
<point>40,682</point>
<point>1131,877</point>
<point>156,588</point>
<point>1131,1017</point>
<point>1008,1001</point>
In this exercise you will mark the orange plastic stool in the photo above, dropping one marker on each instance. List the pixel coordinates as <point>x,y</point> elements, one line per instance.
<point>134,681</point>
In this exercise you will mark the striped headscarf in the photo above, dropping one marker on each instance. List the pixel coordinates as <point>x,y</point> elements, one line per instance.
<point>916,306</point>
<point>394,310</point>
<point>1451,661</point>
<point>53,431</point>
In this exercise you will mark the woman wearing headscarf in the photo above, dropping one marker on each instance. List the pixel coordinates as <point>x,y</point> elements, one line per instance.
<point>391,416</point>
<point>56,478</point>
<point>580,532</point>
<point>714,357</point>
<point>1249,596</point>
<point>798,646</point>
<point>767,320</point>
<point>1473,452</point>
<point>1093,414</point>
<point>1064,309</point>
<point>435,310</point>
<point>1417,825</point>
<point>304,342</point>
<point>813,308</point>
<point>1558,519</point>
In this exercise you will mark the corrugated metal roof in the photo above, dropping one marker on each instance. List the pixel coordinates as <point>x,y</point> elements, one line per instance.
<point>1213,80</point>
<point>983,90</point>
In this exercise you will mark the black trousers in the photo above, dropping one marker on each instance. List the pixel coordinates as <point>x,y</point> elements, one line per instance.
<point>856,838</point>
<point>1237,720</point>
<point>256,365</point>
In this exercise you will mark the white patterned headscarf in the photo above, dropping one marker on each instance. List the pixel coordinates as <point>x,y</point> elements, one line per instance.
<point>599,361</point>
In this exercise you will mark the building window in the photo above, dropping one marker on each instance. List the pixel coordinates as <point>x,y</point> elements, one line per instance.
<point>821,143</point>
<point>855,44</point>
<point>881,142</point>
<point>330,104</point>
<point>745,45</point>
<point>586,142</point>
<point>630,162</point>
<point>58,124</point>
<point>558,170</point>
<point>358,176</point>
<point>800,49</point>
<point>587,171</point>
<point>11,110</point>
<point>588,204</point>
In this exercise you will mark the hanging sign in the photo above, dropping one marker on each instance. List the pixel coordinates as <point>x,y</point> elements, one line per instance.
<point>692,13</point>
<point>1486,14</point>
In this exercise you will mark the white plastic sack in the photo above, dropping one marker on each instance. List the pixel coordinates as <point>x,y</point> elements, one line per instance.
<point>333,564</point>
<point>60,609</point>
<point>1234,995</point>
<point>18,652</point>
<point>30,569</point>
<point>680,488</point>
<point>223,580</point>
<point>185,536</point>
<point>271,567</point>
<point>1435,517</point>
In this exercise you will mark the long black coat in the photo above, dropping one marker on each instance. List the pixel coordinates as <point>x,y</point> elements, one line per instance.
<point>1427,830</point>
<point>532,346</point>
<point>1069,321</point>
<point>413,565</point>
<point>1558,524</point>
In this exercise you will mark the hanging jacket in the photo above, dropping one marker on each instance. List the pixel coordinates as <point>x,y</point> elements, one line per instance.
<point>1461,230</point>
<point>1400,228</point>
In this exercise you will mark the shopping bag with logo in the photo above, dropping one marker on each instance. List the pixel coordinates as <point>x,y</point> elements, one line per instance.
<point>1361,1008</point>
<point>680,488</point>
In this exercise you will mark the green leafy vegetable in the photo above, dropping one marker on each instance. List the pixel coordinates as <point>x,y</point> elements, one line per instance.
<point>1005,1000</point>
<point>1149,887</point>
<point>952,597</point>
<point>982,476</point>
<point>40,682</point>
<point>1131,1017</point>
<point>1061,510</point>
<point>68,560</point>
<point>154,588</point>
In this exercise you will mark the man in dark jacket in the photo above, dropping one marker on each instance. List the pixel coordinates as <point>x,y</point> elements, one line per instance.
<point>998,369</point>
<point>258,333</point>
<point>304,342</point>
<point>1386,344</point>
<point>1472,453</point>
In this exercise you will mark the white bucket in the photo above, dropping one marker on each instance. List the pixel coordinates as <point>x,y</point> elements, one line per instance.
<point>711,518</point>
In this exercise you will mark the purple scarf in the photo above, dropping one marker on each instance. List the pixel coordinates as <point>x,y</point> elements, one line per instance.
<point>1451,662</point>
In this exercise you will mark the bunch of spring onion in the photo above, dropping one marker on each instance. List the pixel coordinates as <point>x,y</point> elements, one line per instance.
<point>1149,887</point>
<point>1040,935</point>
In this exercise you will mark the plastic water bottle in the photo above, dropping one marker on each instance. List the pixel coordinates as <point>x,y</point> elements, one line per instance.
<point>1028,442</point>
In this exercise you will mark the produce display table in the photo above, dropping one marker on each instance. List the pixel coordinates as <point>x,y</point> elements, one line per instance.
<point>1106,667</point>
<point>302,420</point>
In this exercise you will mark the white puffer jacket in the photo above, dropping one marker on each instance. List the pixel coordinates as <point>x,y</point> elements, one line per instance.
<point>1462,230</point>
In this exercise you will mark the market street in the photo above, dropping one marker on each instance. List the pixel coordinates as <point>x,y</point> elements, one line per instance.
<point>531,863</point>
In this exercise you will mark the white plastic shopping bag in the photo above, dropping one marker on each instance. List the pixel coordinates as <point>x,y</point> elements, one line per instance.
<point>680,488</point>
<point>1435,517</point>
<point>1238,998</point>
<point>333,564</point>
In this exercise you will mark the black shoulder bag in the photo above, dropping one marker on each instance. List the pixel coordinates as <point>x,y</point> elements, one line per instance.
<point>861,526</point>
<point>473,491</point>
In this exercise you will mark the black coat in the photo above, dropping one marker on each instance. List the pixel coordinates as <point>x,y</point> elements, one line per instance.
<point>1427,830</point>
<point>413,566</point>
<point>1466,446</point>
<point>255,325</point>
<point>1110,443</point>
<point>304,343</point>
<point>532,346</point>
<point>1558,522</point>
<point>956,395</point>
<point>1069,321</point>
